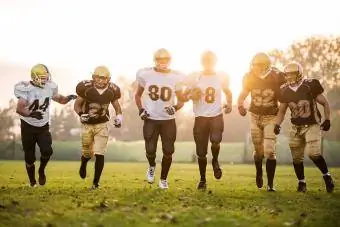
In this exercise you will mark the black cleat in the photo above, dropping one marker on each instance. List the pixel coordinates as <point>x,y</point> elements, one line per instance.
<point>217,170</point>
<point>42,177</point>
<point>82,170</point>
<point>302,187</point>
<point>270,188</point>
<point>329,183</point>
<point>259,180</point>
<point>202,185</point>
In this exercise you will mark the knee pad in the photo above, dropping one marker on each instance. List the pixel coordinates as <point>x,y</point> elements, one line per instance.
<point>313,148</point>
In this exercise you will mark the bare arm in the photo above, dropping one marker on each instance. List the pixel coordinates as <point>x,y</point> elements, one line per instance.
<point>117,107</point>
<point>21,108</point>
<point>61,99</point>
<point>138,97</point>
<point>78,105</point>
<point>180,100</point>
<point>242,97</point>
<point>282,113</point>
<point>228,95</point>
<point>321,99</point>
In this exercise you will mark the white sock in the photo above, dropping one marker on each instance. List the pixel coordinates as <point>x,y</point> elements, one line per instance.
<point>327,174</point>
<point>302,181</point>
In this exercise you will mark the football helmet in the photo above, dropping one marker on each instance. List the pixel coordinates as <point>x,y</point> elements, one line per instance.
<point>208,60</point>
<point>260,64</point>
<point>293,73</point>
<point>40,75</point>
<point>101,77</point>
<point>162,59</point>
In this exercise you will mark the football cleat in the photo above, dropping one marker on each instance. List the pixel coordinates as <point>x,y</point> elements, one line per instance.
<point>329,183</point>
<point>302,187</point>
<point>270,188</point>
<point>95,186</point>
<point>163,184</point>
<point>42,177</point>
<point>202,185</point>
<point>259,180</point>
<point>217,170</point>
<point>150,174</point>
<point>82,170</point>
<point>32,184</point>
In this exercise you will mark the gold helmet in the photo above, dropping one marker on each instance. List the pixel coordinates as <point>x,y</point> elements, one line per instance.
<point>162,59</point>
<point>293,73</point>
<point>40,75</point>
<point>101,76</point>
<point>261,63</point>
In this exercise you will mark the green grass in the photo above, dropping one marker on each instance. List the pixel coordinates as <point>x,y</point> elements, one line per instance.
<point>125,199</point>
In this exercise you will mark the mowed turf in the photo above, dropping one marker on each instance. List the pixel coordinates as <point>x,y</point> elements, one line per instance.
<point>126,199</point>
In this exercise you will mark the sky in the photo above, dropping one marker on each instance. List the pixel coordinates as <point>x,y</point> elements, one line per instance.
<point>123,34</point>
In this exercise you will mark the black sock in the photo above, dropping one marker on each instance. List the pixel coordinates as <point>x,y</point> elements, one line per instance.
<point>299,170</point>
<point>202,165</point>
<point>151,160</point>
<point>43,163</point>
<point>31,173</point>
<point>215,151</point>
<point>270,168</point>
<point>258,165</point>
<point>98,168</point>
<point>321,164</point>
<point>166,163</point>
<point>84,160</point>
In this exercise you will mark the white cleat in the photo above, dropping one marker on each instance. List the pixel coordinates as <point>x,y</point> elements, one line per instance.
<point>150,174</point>
<point>163,184</point>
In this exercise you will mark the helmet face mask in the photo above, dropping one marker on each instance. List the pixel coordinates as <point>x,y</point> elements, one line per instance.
<point>162,59</point>
<point>40,75</point>
<point>101,77</point>
<point>208,60</point>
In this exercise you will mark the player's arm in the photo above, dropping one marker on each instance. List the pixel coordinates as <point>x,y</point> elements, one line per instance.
<point>78,105</point>
<point>138,97</point>
<point>180,100</point>
<point>321,99</point>
<point>229,96</point>
<point>281,114</point>
<point>63,99</point>
<point>22,108</point>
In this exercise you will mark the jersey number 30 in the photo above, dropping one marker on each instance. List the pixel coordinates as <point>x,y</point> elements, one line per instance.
<point>35,105</point>
<point>164,93</point>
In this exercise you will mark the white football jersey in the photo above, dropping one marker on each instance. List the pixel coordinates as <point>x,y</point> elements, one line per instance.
<point>211,86</point>
<point>39,99</point>
<point>159,91</point>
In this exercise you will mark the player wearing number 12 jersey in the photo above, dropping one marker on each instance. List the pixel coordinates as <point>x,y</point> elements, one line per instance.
<point>34,110</point>
<point>158,88</point>
<point>205,88</point>
<point>263,83</point>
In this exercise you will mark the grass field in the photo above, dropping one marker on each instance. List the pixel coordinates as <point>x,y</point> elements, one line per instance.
<point>125,199</point>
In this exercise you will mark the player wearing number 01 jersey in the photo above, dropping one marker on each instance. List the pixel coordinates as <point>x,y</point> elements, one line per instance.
<point>158,87</point>
<point>263,83</point>
<point>205,88</point>
<point>301,96</point>
<point>34,110</point>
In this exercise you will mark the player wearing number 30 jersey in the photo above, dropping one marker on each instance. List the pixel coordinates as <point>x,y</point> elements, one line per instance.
<point>158,88</point>
<point>34,108</point>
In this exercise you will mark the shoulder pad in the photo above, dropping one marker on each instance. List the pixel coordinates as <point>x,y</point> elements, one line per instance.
<point>86,83</point>
<point>142,70</point>
<point>52,85</point>
<point>23,86</point>
<point>113,87</point>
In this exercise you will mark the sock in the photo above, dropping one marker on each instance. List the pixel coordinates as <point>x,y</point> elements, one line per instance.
<point>98,168</point>
<point>321,164</point>
<point>327,174</point>
<point>270,168</point>
<point>202,165</point>
<point>258,165</point>
<point>166,163</point>
<point>31,173</point>
<point>151,160</point>
<point>299,171</point>
<point>43,163</point>
<point>302,181</point>
<point>215,151</point>
<point>84,160</point>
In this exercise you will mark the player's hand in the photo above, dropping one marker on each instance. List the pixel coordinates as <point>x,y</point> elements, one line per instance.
<point>227,108</point>
<point>36,114</point>
<point>144,115</point>
<point>277,129</point>
<point>326,125</point>
<point>242,110</point>
<point>84,118</point>
<point>71,97</point>
<point>118,121</point>
<point>171,110</point>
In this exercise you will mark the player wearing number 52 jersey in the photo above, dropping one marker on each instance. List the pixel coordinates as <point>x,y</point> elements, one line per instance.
<point>301,96</point>
<point>263,83</point>
<point>158,88</point>
<point>34,109</point>
<point>205,88</point>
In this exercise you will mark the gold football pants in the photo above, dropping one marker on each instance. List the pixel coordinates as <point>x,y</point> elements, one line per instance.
<point>94,139</point>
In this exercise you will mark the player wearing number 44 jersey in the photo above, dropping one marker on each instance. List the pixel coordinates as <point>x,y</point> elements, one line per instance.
<point>205,88</point>
<point>263,83</point>
<point>301,96</point>
<point>34,110</point>
<point>158,87</point>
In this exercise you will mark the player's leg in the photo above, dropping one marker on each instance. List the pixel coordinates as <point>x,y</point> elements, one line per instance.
<point>44,140</point>
<point>269,142</point>
<point>257,137</point>
<point>87,145</point>
<point>168,133</point>
<point>313,147</point>
<point>201,137</point>
<point>151,134</point>
<point>100,139</point>
<point>28,139</point>
<point>216,133</point>
<point>297,147</point>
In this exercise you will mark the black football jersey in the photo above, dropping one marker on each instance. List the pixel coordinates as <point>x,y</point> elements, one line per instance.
<point>302,103</point>
<point>97,103</point>
<point>264,92</point>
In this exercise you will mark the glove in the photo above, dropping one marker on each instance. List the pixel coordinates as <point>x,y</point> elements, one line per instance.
<point>277,129</point>
<point>36,114</point>
<point>242,110</point>
<point>171,110</point>
<point>71,97</point>
<point>143,114</point>
<point>326,125</point>
<point>118,121</point>
<point>84,118</point>
<point>227,108</point>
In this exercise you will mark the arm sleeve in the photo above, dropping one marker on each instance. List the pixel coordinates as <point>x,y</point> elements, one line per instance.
<point>316,88</point>
<point>21,91</point>
<point>140,79</point>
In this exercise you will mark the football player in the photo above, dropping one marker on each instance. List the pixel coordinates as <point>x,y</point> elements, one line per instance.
<point>92,106</point>
<point>302,96</point>
<point>206,89</point>
<point>263,83</point>
<point>158,87</point>
<point>34,109</point>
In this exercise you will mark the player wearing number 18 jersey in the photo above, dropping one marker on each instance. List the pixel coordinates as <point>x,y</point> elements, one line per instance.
<point>34,110</point>
<point>205,88</point>
<point>158,88</point>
